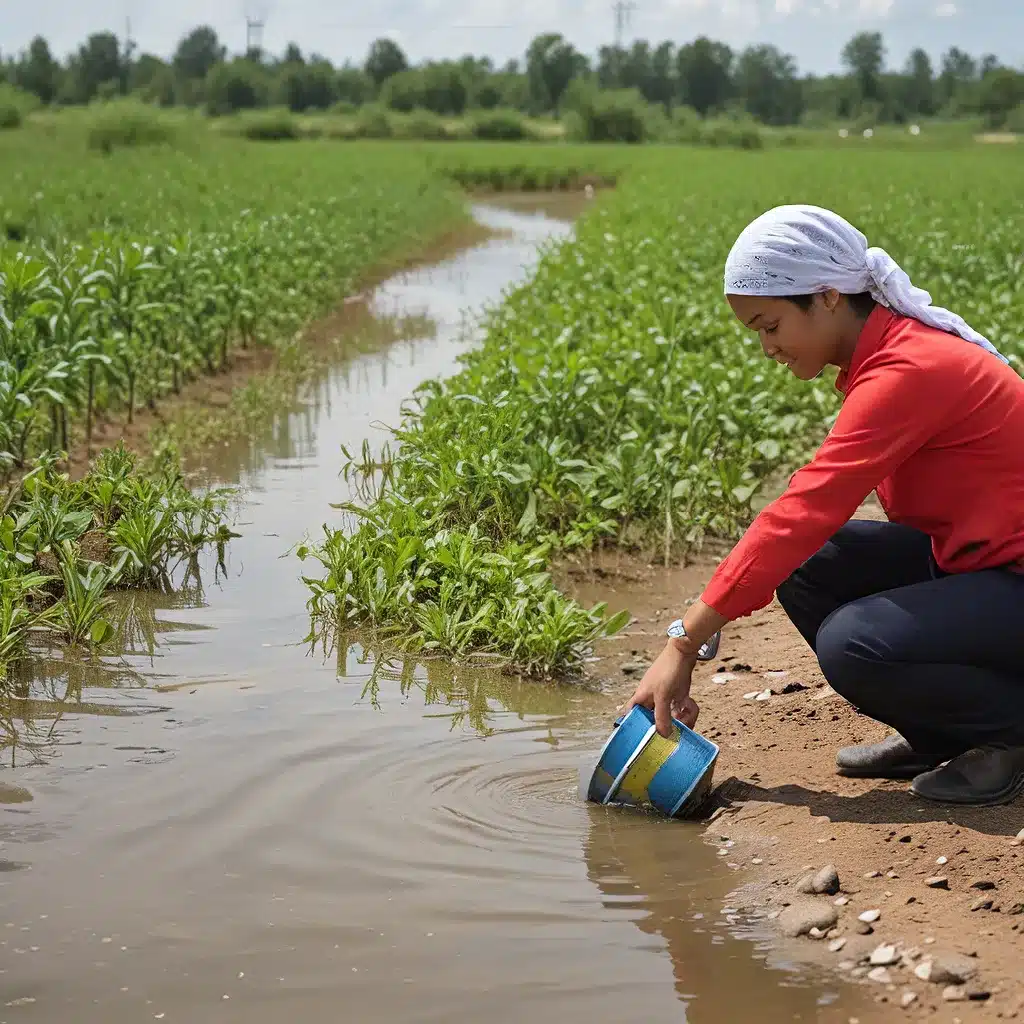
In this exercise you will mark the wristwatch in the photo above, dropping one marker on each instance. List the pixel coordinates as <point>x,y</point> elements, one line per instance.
<point>708,651</point>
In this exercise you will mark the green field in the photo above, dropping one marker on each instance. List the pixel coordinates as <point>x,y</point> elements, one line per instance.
<point>613,401</point>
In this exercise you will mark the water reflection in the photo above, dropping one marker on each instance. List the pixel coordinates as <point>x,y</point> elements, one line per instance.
<point>658,875</point>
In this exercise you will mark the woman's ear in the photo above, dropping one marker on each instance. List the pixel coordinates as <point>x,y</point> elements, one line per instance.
<point>831,298</point>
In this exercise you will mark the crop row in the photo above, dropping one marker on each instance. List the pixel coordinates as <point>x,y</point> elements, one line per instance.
<point>614,399</point>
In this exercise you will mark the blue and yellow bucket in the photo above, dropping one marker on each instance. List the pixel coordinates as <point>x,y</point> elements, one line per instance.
<point>640,767</point>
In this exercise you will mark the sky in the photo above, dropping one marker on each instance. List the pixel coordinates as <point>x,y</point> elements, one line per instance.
<point>813,31</point>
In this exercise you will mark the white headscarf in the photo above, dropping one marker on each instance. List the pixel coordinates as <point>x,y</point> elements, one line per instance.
<point>802,250</point>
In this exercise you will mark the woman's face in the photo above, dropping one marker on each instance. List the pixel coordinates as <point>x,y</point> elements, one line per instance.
<point>804,340</point>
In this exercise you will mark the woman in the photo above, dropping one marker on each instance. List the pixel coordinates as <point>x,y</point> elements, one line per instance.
<point>918,622</point>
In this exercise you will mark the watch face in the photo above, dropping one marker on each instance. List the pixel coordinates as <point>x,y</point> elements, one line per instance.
<point>676,629</point>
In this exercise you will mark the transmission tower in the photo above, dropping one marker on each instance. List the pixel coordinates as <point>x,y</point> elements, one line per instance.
<point>623,11</point>
<point>254,24</point>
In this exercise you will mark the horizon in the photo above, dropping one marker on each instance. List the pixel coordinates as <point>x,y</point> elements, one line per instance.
<point>811,31</point>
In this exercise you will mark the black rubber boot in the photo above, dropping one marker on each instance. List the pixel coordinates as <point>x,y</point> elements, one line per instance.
<point>983,777</point>
<point>893,758</point>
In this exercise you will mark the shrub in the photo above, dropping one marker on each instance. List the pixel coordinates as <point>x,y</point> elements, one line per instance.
<point>129,123</point>
<point>420,124</point>
<point>373,122</point>
<point>619,115</point>
<point>15,104</point>
<point>1015,120</point>
<point>269,126</point>
<point>239,85</point>
<point>502,124</point>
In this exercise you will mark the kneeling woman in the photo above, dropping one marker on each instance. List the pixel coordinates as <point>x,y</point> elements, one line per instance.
<point>919,621</point>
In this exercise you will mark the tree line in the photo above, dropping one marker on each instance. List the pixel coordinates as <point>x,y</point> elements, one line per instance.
<point>708,76</point>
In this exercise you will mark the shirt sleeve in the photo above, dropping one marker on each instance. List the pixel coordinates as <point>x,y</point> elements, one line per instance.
<point>892,409</point>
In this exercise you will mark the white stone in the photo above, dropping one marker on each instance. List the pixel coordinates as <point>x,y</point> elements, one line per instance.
<point>881,975</point>
<point>941,860</point>
<point>907,998</point>
<point>869,916</point>
<point>883,956</point>
<point>836,945</point>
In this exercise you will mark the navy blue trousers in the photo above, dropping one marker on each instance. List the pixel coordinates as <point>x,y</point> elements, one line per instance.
<point>938,657</point>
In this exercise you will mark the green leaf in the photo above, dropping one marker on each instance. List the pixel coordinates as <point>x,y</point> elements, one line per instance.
<point>101,632</point>
<point>616,622</point>
<point>528,521</point>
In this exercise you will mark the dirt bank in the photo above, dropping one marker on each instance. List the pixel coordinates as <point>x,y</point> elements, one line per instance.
<point>786,811</point>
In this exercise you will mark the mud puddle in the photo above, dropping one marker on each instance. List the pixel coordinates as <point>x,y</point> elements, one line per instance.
<point>217,826</point>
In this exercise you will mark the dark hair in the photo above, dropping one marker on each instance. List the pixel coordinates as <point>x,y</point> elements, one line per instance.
<point>862,303</point>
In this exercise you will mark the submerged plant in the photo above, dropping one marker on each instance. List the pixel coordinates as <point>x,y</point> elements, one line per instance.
<point>82,614</point>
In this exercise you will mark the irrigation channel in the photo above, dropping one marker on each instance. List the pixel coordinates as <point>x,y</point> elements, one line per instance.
<point>217,825</point>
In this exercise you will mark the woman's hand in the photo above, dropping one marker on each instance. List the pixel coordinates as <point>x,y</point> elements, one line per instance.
<point>665,688</point>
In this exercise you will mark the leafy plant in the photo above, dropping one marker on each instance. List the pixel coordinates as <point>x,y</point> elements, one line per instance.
<point>82,614</point>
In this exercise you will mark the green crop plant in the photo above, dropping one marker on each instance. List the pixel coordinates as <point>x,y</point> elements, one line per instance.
<point>81,616</point>
<point>614,400</point>
<point>126,275</point>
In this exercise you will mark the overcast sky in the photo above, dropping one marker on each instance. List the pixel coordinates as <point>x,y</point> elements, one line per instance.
<point>812,30</point>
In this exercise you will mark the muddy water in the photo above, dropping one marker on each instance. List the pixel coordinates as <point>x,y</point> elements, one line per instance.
<point>217,825</point>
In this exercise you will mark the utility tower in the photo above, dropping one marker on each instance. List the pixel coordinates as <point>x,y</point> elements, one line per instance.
<point>254,23</point>
<point>623,11</point>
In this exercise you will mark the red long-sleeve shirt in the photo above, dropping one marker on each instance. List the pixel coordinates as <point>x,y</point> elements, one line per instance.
<point>931,422</point>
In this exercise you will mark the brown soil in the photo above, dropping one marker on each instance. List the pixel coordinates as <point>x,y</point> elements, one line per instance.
<point>786,811</point>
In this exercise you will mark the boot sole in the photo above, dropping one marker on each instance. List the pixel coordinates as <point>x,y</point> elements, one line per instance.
<point>909,772</point>
<point>1005,796</point>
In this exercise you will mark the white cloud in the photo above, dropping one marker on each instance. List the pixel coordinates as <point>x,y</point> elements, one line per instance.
<point>785,6</point>
<point>946,10</point>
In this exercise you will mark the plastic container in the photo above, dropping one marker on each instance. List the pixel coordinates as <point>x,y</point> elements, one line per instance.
<point>638,766</point>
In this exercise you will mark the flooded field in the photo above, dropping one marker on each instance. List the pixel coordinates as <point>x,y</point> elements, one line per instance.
<point>220,825</point>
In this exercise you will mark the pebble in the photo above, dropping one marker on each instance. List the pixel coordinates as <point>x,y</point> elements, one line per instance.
<point>983,884</point>
<point>633,668</point>
<point>884,956</point>
<point>869,916</point>
<point>907,998</point>
<point>881,975</point>
<point>863,928</point>
<point>756,860</point>
<point>1020,835</point>
<point>806,884</point>
<point>941,860</point>
<point>954,993</point>
<point>845,965</point>
<point>981,904</point>
<point>937,882</point>
<point>751,695</point>
<point>764,695</point>
<point>841,901</point>
<point>946,969</point>
<point>891,874</point>
<point>873,874</point>
<point>826,881</point>
<point>803,915</point>
<point>836,945</point>
<point>817,933</point>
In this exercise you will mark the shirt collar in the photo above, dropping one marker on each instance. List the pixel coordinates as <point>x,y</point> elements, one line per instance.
<point>871,336</point>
